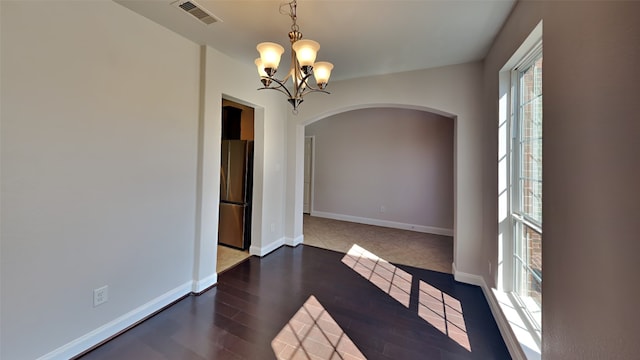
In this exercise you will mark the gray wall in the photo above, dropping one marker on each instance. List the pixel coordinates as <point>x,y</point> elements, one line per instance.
<point>591,202</point>
<point>399,159</point>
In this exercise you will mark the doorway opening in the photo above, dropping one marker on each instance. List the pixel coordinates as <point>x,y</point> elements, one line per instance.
<point>236,184</point>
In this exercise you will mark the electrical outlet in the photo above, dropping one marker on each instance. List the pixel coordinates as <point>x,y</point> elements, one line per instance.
<point>383,209</point>
<point>100,295</point>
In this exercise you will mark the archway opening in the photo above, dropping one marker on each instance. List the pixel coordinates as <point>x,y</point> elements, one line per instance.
<point>385,166</point>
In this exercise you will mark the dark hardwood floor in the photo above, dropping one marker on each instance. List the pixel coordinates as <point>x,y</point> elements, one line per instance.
<point>311,303</point>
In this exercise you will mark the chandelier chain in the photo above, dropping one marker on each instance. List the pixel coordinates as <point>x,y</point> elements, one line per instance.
<point>298,74</point>
<point>292,14</point>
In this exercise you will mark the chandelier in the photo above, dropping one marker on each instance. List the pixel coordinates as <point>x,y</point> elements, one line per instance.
<point>303,65</point>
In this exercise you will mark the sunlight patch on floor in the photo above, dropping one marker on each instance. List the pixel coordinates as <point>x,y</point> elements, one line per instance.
<point>444,313</point>
<point>390,279</point>
<point>439,309</point>
<point>313,334</point>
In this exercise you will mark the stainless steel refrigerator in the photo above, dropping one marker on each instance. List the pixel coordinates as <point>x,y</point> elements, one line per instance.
<point>236,185</point>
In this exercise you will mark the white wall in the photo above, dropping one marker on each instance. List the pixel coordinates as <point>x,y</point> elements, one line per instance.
<point>399,159</point>
<point>227,78</point>
<point>295,184</point>
<point>451,91</point>
<point>591,203</point>
<point>99,129</point>
<point>109,170</point>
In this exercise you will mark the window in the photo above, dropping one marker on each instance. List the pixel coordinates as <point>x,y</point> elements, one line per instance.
<point>519,194</point>
<point>526,190</point>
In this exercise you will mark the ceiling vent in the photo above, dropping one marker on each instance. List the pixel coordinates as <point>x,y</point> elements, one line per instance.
<point>197,11</point>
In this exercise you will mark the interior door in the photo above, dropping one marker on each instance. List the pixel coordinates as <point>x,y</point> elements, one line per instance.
<point>308,152</point>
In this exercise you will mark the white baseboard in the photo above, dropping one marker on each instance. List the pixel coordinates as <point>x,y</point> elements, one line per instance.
<point>513,345</point>
<point>467,278</point>
<point>384,223</point>
<point>264,250</point>
<point>202,285</point>
<point>116,326</point>
<point>294,241</point>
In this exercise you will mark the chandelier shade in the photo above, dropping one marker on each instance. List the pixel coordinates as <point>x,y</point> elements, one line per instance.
<point>322,72</point>
<point>303,64</point>
<point>306,51</point>
<point>260,67</point>
<point>270,54</point>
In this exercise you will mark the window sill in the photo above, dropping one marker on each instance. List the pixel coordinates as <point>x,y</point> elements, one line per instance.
<point>513,314</point>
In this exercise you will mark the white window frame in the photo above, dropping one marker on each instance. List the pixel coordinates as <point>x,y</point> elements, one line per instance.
<point>516,214</point>
<point>520,333</point>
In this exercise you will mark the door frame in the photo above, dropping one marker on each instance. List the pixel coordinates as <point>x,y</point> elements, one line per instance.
<point>312,149</point>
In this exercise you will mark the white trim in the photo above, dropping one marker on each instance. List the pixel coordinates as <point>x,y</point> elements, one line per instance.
<point>313,173</point>
<point>510,315</point>
<point>384,223</point>
<point>264,250</point>
<point>294,241</point>
<point>510,339</point>
<point>467,278</point>
<point>313,167</point>
<point>529,43</point>
<point>515,344</point>
<point>509,322</point>
<point>202,285</point>
<point>117,325</point>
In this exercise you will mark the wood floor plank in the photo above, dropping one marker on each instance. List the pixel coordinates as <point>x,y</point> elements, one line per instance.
<point>257,300</point>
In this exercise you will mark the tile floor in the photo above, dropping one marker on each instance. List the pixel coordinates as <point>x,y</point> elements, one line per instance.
<point>229,257</point>
<point>426,251</point>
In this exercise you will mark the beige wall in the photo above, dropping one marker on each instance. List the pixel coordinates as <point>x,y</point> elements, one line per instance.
<point>591,204</point>
<point>452,91</point>
<point>399,159</point>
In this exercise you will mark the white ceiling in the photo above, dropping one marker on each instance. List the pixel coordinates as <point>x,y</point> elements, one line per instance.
<point>360,37</point>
